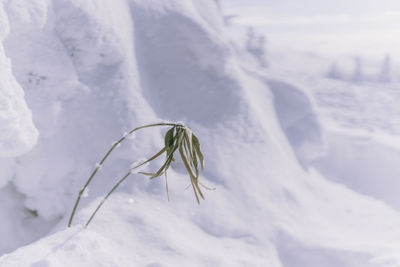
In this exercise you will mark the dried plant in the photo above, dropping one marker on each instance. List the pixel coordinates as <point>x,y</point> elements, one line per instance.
<point>179,138</point>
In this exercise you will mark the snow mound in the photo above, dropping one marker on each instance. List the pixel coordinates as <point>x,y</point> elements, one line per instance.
<point>299,121</point>
<point>17,132</point>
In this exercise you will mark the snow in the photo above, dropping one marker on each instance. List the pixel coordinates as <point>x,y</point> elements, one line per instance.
<point>18,134</point>
<point>327,27</point>
<point>304,164</point>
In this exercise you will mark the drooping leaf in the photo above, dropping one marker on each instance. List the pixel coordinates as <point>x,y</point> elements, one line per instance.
<point>195,164</point>
<point>196,145</point>
<point>185,143</point>
<point>166,185</point>
<point>191,155</point>
<point>150,159</point>
<point>165,166</point>
<point>206,187</point>
<point>184,156</point>
<point>169,140</point>
<point>147,173</point>
<point>182,139</point>
<point>193,179</point>
<point>188,135</point>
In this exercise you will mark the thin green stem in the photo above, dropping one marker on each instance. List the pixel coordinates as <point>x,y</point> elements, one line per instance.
<point>117,184</point>
<point>105,198</point>
<point>103,160</point>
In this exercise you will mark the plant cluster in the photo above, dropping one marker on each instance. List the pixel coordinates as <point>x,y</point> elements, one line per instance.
<point>178,138</point>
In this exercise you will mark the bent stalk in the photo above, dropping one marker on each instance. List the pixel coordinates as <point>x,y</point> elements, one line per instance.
<point>105,198</point>
<point>103,160</point>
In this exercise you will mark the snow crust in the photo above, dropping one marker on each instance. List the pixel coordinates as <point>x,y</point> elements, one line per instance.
<point>93,70</point>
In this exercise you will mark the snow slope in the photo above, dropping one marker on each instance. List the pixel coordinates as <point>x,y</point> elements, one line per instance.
<point>92,70</point>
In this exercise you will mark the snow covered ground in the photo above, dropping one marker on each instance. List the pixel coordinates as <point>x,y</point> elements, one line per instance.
<point>302,150</point>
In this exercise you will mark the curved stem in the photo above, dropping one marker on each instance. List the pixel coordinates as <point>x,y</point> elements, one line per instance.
<point>105,198</point>
<point>104,158</point>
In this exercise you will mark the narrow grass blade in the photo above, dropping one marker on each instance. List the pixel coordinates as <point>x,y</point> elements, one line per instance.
<point>196,145</point>
<point>150,159</point>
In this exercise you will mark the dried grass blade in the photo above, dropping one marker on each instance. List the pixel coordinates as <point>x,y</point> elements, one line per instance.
<point>150,159</point>
<point>166,186</point>
<point>206,187</point>
<point>165,166</point>
<point>169,140</point>
<point>193,179</point>
<point>196,145</point>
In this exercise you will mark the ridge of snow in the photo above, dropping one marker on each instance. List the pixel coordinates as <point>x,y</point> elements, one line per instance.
<point>17,132</point>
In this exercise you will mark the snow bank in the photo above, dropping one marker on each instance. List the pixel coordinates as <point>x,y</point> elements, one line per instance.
<point>78,116</point>
<point>299,121</point>
<point>17,132</point>
<point>81,88</point>
<point>364,165</point>
<point>91,70</point>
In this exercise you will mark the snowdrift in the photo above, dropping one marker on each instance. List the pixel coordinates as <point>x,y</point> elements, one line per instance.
<point>88,71</point>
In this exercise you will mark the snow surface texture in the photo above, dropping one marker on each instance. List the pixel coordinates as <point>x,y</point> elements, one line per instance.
<point>17,132</point>
<point>92,70</point>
